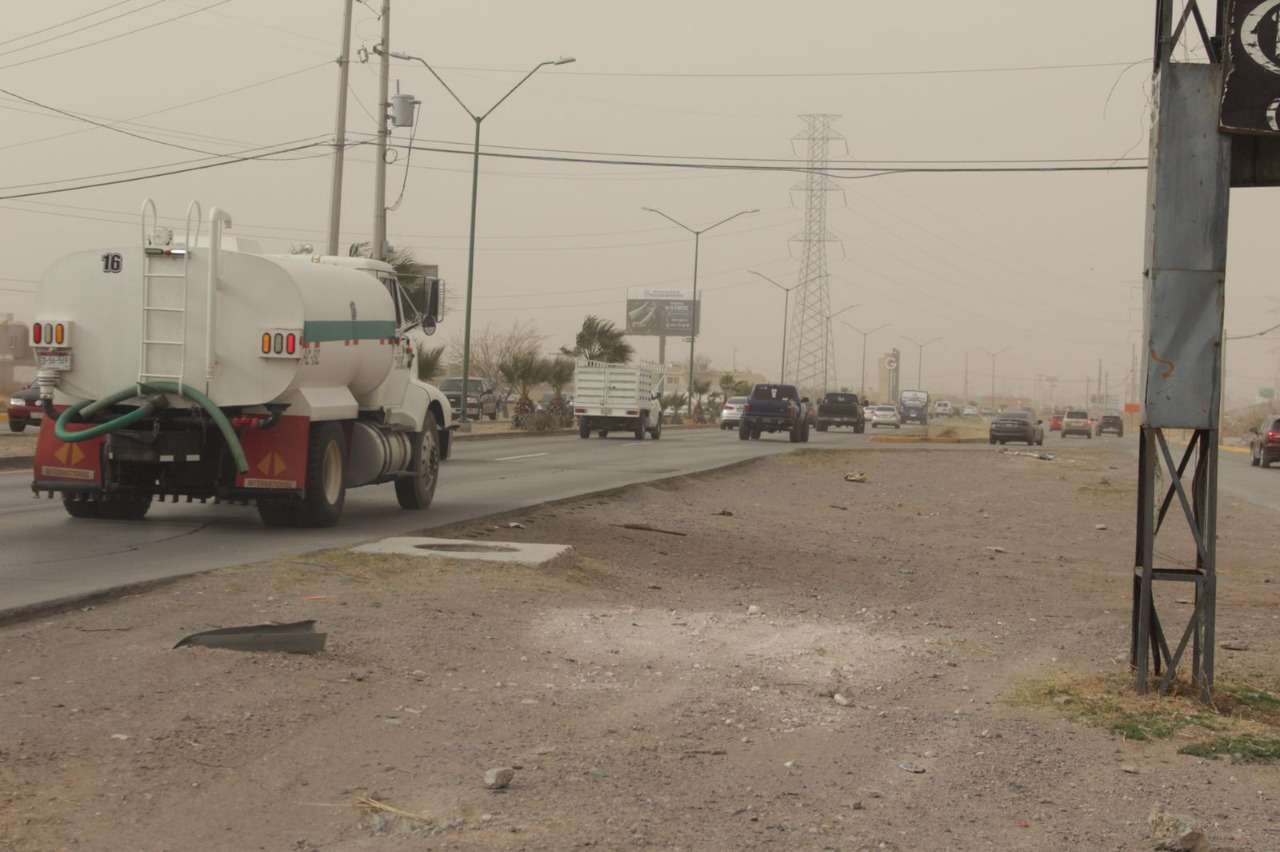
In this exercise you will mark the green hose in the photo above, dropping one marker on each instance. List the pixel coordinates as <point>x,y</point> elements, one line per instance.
<point>90,407</point>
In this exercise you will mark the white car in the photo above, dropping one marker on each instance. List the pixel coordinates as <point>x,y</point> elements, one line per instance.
<point>969,411</point>
<point>731,413</point>
<point>942,408</point>
<point>885,415</point>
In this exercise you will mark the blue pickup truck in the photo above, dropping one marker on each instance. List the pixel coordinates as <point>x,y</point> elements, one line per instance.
<point>775,408</point>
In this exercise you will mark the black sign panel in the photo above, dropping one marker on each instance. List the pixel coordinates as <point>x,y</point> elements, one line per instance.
<point>1251,92</point>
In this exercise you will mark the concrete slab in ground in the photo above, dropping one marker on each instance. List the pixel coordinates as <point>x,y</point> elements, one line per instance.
<point>506,552</point>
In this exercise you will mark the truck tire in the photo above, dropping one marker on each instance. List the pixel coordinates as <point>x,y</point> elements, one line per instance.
<point>804,433</point>
<point>797,429</point>
<point>125,508</point>
<point>584,427</point>
<point>326,488</point>
<point>744,433</point>
<point>656,431</point>
<point>642,426</point>
<point>822,427</point>
<point>415,492</point>
<point>89,508</point>
<point>278,512</point>
<point>17,425</point>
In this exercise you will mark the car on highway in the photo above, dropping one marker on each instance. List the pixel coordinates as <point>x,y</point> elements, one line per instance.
<point>1111,421</point>
<point>1264,445</point>
<point>775,408</point>
<point>731,412</point>
<point>943,408</point>
<point>1017,425</point>
<point>913,407</point>
<point>885,415</point>
<point>1076,422</point>
<point>481,400</point>
<point>1055,422</point>
<point>969,411</point>
<point>841,409</point>
<point>24,409</point>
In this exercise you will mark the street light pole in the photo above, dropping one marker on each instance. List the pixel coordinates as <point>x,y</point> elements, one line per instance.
<point>786,308</point>
<point>920,358</point>
<point>826,365</point>
<point>994,355</point>
<point>862,388</point>
<point>475,187</point>
<point>697,313</point>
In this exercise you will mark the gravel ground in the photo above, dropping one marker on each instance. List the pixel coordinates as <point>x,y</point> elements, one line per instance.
<point>652,690</point>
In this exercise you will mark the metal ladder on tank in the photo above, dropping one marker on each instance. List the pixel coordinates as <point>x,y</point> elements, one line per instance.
<point>156,244</point>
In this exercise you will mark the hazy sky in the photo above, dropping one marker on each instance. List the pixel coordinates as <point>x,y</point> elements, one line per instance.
<point>1047,265</point>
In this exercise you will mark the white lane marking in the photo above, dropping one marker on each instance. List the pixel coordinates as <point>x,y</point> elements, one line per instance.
<point>526,456</point>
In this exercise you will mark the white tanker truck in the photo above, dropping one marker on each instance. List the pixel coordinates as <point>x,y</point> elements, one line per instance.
<point>183,369</point>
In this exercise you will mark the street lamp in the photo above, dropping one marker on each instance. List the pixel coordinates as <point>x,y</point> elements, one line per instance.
<point>865,335</point>
<point>920,358</point>
<point>475,183</point>
<point>829,349</point>
<point>786,307</point>
<point>697,314</point>
<point>994,355</point>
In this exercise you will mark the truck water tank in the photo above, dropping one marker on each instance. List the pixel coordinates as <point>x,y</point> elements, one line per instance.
<point>342,315</point>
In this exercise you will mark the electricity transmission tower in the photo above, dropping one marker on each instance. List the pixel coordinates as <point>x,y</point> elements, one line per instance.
<point>810,352</point>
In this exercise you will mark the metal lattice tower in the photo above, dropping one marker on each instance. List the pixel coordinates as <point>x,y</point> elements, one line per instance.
<point>810,356</point>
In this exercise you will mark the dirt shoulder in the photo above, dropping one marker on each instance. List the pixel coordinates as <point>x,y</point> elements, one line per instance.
<point>660,690</point>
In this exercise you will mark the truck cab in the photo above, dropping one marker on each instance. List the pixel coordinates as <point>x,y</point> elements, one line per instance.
<point>841,409</point>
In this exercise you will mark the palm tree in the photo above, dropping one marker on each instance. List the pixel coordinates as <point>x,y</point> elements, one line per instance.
<point>600,340</point>
<point>700,388</point>
<point>727,384</point>
<point>675,402</point>
<point>559,372</point>
<point>523,370</point>
<point>406,266</point>
<point>429,363</point>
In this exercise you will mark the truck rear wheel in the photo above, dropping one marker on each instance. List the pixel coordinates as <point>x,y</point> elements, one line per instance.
<point>417,490</point>
<point>641,427</point>
<point>584,427</point>
<point>796,432</point>
<point>326,477</point>
<point>743,432</point>
<point>656,431</point>
<point>125,508</point>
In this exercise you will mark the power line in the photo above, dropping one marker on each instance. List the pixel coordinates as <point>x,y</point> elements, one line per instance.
<point>125,14</point>
<point>115,37</point>
<point>843,172</point>
<point>195,168</point>
<point>807,74</point>
<point>65,21</point>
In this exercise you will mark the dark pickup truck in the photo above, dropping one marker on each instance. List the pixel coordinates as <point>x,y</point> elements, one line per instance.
<point>841,409</point>
<point>775,408</point>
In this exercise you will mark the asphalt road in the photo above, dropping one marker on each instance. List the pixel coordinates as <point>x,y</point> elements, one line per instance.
<point>46,556</point>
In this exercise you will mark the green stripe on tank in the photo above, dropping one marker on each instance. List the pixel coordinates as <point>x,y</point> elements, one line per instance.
<point>319,331</point>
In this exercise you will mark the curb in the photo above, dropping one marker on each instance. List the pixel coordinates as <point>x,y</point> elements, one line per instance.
<point>913,439</point>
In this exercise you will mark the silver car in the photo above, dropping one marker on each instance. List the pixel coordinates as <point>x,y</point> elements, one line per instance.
<point>885,415</point>
<point>731,413</point>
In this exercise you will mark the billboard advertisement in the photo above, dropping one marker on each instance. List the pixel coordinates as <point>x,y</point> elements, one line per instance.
<point>659,313</point>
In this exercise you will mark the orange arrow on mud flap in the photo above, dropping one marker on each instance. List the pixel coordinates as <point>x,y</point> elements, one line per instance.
<point>69,453</point>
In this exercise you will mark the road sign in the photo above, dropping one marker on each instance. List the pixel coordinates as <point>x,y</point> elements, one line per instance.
<point>1251,90</point>
<point>891,363</point>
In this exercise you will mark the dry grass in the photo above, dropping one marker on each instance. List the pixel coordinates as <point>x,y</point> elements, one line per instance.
<point>1244,718</point>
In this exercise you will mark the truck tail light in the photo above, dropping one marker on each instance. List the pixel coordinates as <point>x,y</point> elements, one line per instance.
<point>37,333</point>
<point>59,334</point>
<point>281,343</point>
<point>746,408</point>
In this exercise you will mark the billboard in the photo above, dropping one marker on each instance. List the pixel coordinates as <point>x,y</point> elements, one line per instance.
<point>662,313</point>
<point>1251,93</point>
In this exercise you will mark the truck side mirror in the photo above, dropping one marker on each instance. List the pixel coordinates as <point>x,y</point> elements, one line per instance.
<point>435,299</point>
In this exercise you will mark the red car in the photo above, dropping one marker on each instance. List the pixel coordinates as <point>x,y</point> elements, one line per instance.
<point>24,409</point>
<point>1055,423</point>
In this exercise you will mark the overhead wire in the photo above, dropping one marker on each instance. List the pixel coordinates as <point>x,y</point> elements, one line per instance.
<point>115,37</point>
<point>124,14</point>
<point>64,22</point>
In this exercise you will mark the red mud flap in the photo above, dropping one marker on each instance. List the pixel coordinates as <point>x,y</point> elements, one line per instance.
<point>277,456</point>
<point>64,466</point>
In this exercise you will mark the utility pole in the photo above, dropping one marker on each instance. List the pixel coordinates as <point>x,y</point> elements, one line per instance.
<point>340,130</point>
<point>920,358</point>
<point>965,401</point>
<point>378,248</point>
<point>1087,380</point>
<point>1099,385</point>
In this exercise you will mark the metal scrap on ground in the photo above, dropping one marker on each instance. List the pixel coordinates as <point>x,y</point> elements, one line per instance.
<point>855,477</point>
<point>647,528</point>
<point>299,637</point>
